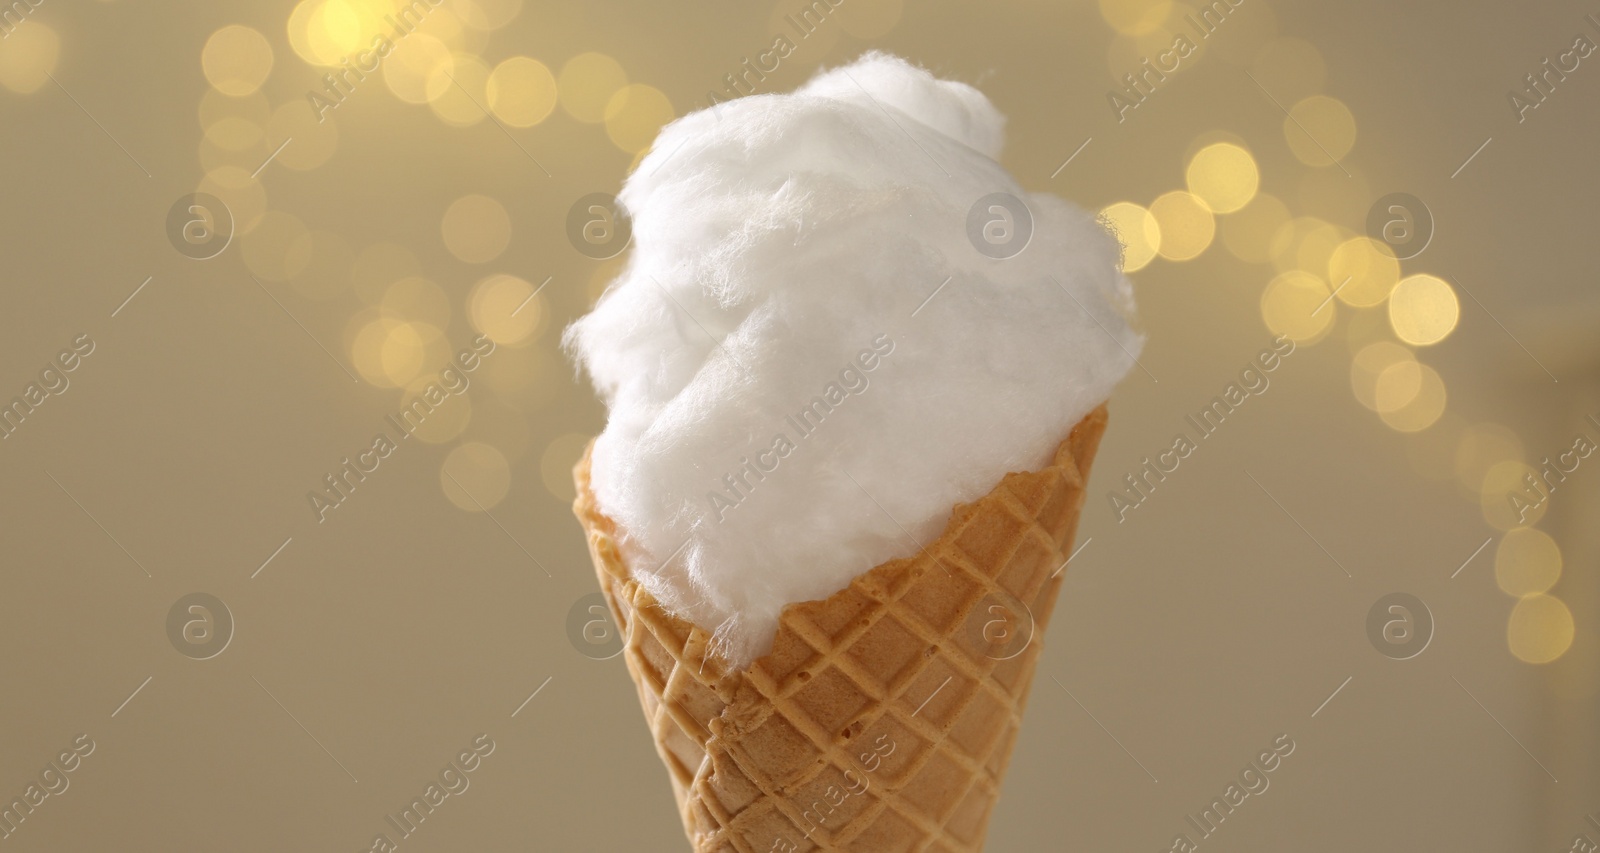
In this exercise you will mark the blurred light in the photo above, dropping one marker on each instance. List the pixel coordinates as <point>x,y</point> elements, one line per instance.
<point>1482,447</point>
<point>327,272</point>
<point>278,248</point>
<point>28,57</point>
<point>234,134</point>
<point>1423,310</point>
<point>475,476</point>
<point>1540,629</point>
<point>1224,176</point>
<point>1500,483</point>
<point>1527,562</point>
<point>1138,231</point>
<point>392,354</point>
<point>311,143</point>
<point>236,60</point>
<point>1187,225</point>
<point>1423,409</point>
<point>586,85</point>
<point>1367,270</point>
<point>1376,360</point>
<point>487,14</point>
<point>216,107</point>
<point>414,298</point>
<point>476,229</point>
<point>1317,245</point>
<point>458,92</point>
<point>1135,17</point>
<point>560,456</point>
<point>635,114</point>
<point>378,266</point>
<point>869,20</point>
<point>1290,306</point>
<point>1397,386</point>
<point>521,91</point>
<point>418,70</point>
<point>503,307</point>
<point>1320,130</point>
<point>447,420</point>
<point>1287,240</point>
<point>1291,69</point>
<point>245,197</point>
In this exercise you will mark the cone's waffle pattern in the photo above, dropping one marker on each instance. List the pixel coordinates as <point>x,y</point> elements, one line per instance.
<point>884,716</point>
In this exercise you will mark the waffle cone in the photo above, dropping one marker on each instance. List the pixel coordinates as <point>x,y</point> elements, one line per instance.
<point>884,716</point>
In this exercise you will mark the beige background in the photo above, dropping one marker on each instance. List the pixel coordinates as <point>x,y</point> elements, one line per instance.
<point>373,647</point>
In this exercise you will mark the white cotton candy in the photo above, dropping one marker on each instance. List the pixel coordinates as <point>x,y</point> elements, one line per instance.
<point>781,245</point>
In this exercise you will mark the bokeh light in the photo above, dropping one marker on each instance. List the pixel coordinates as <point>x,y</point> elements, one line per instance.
<point>28,57</point>
<point>635,114</point>
<point>457,92</point>
<point>446,421</point>
<point>476,229</point>
<point>278,248</point>
<point>1397,385</point>
<point>557,462</point>
<point>586,84</point>
<point>378,266</point>
<point>1187,225</point>
<point>418,69</point>
<point>1364,271</point>
<point>1320,130</point>
<point>1135,17</point>
<point>1423,310</point>
<point>1138,231</point>
<point>236,60</point>
<point>1224,176</point>
<point>1296,304</point>
<point>487,14</point>
<point>1424,407</point>
<point>521,91</point>
<point>504,308</point>
<point>416,298</point>
<point>1503,482</point>
<point>1379,359</point>
<point>475,476</point>
<point>1540,629</point>
<point>245,197</point>
<point>1527,561</point>
<point>393,353</point>
<point>1481,447</point>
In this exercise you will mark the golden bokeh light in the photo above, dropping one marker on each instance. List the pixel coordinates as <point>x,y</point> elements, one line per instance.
<point>586,84</point>
<point>1296,304</point>
<point>1320,130</point>
<point>1527,562</point>
<point>1136,228</point>
<point>1297,242</point>
<point>1424,407</point>
<point>445,420</point>
<point>28,57</point>
<point>233,133</point>
<point>1248,233</point>
<point>1364,271</point>
<point>521,91</point>
<point>416,298</point>
<point>1291,69</point>
<point>1505,498</point>
<point>487,14</point>
<point>475,476</point>
<point>1224,176</point>
<point>1187,225</point>
<point>1135,17</point>
<point>216,107</point>
<point>556,464</point>
<point>460,90</point>
<point>1376,360</point>
<point>378,266</point>
<point>635,114</point>
<point>1423,309</point>
<point>1397,385</point>
<point>418,70</point>
<point>1481,447</point>
<point>1540,629</point>
<point>504,308</point>
<point>393,353</point>
<point>476,229</point>
<point>278,248</point>
<point>236,60</point>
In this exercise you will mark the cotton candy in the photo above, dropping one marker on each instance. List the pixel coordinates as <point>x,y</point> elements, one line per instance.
<point>815,348</point>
